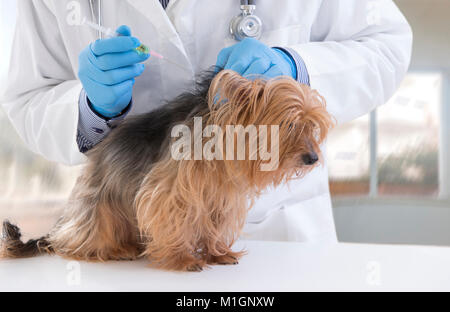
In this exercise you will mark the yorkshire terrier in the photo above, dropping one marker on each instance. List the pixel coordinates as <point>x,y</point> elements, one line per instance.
<point>133,199</point>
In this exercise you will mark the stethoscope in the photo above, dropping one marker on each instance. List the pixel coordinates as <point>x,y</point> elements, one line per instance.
<point>245,25</point>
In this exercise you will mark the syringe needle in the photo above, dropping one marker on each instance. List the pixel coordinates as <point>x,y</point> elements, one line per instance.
<point>161,57</point>
<point>176,64</point>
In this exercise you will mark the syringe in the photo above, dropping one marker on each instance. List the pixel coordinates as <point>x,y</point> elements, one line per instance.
<point>142,49</point>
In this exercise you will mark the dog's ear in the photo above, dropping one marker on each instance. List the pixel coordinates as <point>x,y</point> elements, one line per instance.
<point>235,100</point>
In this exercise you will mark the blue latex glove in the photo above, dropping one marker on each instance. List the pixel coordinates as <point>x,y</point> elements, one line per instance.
<point>252,57</point>
<point>107,69</point>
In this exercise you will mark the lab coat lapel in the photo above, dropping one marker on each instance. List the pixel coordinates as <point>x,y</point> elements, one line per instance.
<point>171,3</point>
<point>154,12</point>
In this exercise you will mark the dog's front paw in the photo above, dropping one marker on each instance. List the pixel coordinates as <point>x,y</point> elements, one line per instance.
<point>227,259</point>
<point>194,268</point>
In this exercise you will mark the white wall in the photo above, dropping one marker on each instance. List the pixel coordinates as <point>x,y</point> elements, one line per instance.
<point>430,20</point>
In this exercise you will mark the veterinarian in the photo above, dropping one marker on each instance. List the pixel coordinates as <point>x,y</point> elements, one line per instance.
<point>67,92</point>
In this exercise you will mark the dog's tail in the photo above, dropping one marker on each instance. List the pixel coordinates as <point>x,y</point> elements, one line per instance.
<point>11,246</point>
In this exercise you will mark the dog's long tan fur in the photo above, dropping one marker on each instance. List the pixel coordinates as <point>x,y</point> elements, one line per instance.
<point>182,215</point>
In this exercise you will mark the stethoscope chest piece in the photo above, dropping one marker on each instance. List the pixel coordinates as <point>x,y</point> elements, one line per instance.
<point>246,24</point>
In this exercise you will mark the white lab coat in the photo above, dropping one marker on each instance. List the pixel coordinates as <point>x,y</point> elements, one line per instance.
<point>356,52</point>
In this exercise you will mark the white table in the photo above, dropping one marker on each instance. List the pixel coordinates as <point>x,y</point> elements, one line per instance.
<point>269,266</point>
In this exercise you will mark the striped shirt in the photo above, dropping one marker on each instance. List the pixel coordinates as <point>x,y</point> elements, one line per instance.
<point>164,3</point>
<point>92,128</point>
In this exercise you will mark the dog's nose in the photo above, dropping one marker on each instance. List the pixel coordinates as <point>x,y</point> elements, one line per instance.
<point>310,158</point>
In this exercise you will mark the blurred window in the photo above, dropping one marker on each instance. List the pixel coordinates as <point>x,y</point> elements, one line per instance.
<point>407,147</point>
<point>348,158</point>
<point>408,134</point>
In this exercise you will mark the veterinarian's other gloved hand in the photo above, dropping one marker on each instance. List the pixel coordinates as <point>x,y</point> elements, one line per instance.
<point>252,57</point>
<point>107,69</point>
